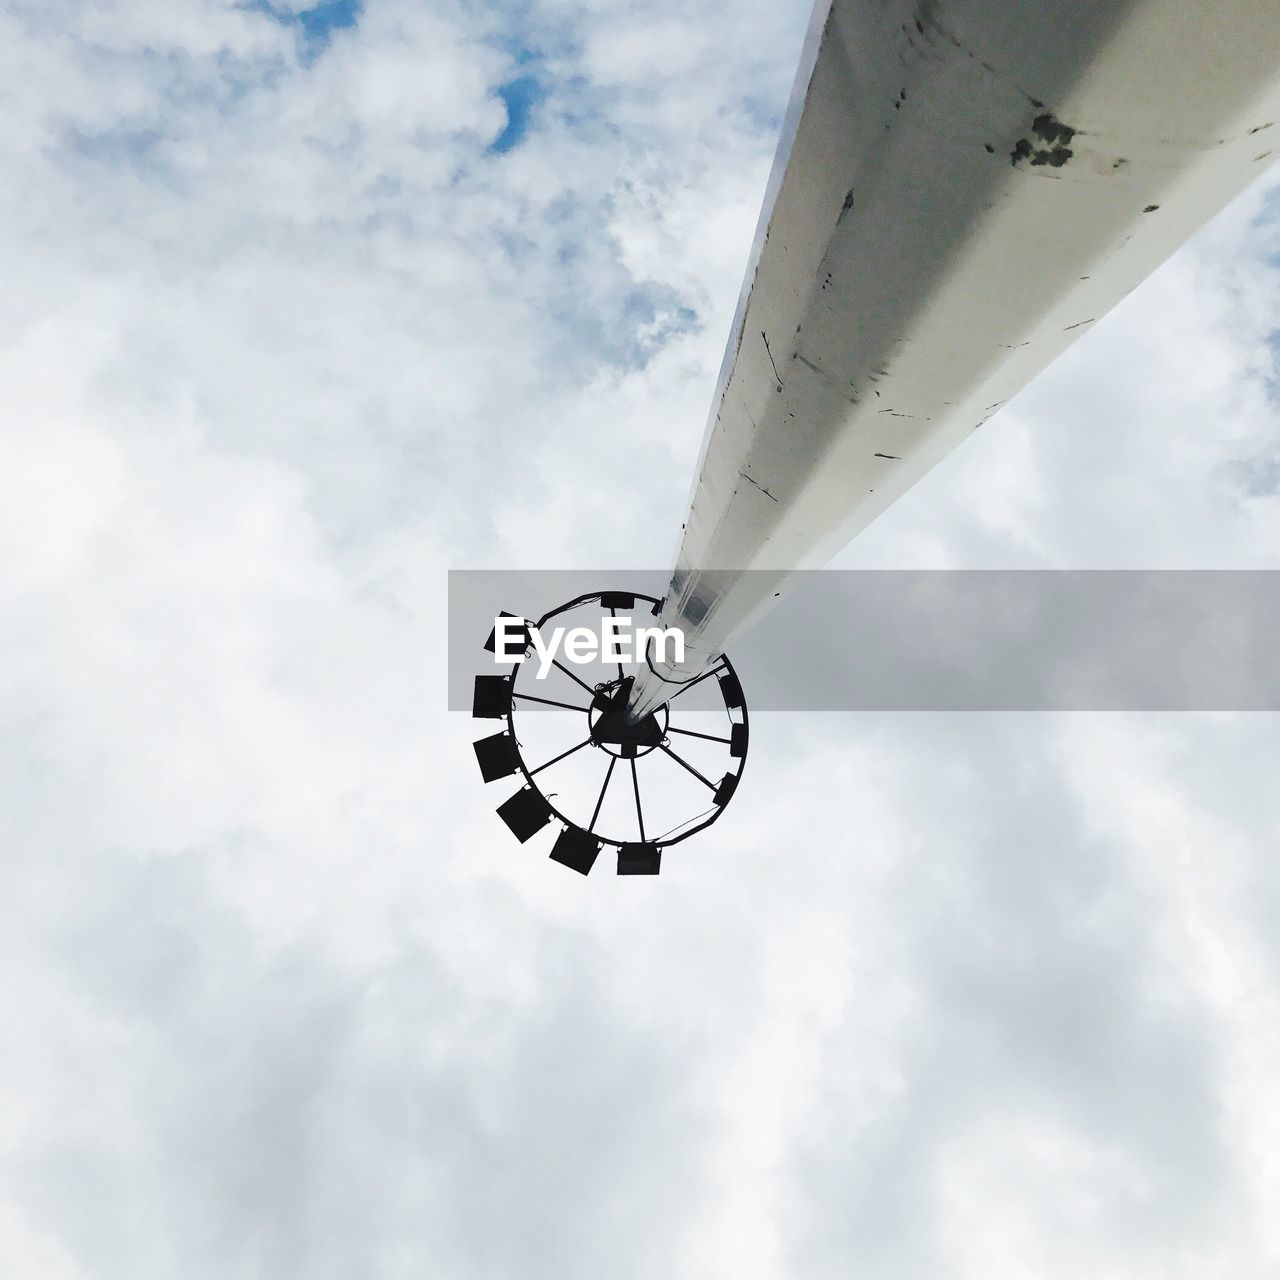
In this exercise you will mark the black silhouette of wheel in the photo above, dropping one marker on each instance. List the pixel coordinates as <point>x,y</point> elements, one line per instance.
<point>634,747</point>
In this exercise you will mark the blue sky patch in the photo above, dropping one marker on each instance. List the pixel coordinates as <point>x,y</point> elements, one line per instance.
<point>521,97</point>
<point>318,23</point>
<point>321,21</point>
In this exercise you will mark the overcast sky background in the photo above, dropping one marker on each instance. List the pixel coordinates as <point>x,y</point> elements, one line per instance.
<point>299,309</point>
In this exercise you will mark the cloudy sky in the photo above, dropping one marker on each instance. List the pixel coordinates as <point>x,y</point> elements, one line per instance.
<point>301,308</point>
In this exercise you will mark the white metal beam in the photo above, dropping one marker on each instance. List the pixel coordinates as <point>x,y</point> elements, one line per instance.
<point>963,188</point>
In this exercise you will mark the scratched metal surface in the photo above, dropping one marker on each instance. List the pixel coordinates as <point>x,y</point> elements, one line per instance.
<point>963,187</point>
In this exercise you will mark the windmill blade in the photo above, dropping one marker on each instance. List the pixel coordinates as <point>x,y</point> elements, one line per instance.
<point>962,189</point>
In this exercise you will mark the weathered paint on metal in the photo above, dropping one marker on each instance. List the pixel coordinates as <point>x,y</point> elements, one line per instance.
<point>963,187</point>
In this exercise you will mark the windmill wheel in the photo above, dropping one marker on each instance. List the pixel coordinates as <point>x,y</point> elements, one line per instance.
<point>625,772</point>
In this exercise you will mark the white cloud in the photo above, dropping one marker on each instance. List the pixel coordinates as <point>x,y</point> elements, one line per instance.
<point>282,341</point>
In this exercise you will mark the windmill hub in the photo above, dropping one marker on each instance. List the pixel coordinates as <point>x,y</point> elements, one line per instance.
<point>610,729</point>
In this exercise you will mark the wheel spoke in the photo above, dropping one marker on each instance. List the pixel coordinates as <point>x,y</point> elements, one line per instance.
<point>635,782</point>
<point>557,663</point>
<point>685,687</point>
<point>550,702</point>
<point>585,742</point>
<point>613,613</point>
<point>685,764</point>
<point>609,774</point>
<point>689,733</point>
